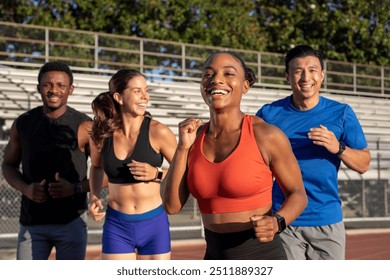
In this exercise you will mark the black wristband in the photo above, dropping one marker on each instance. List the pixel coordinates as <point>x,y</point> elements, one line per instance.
<point>78,188</point>
<point>341,148</point>
<point>281,222</point>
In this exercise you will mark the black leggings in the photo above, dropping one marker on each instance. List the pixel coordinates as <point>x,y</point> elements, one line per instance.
<point>242,245</point>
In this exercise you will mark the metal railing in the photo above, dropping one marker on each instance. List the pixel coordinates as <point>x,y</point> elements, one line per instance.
<point>30,46</point>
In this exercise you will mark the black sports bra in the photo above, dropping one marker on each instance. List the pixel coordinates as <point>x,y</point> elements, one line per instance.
<point>117,170</point>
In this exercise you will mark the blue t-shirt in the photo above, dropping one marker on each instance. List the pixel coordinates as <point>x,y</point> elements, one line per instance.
<point>318,166</point>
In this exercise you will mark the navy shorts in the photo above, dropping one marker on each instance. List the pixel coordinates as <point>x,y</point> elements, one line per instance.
<point>148,233</point>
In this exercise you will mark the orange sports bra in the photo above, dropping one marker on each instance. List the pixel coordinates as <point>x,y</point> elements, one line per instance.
<point>241,182</point>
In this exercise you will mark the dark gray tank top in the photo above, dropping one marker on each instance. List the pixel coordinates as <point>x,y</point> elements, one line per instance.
<point>49,146</point>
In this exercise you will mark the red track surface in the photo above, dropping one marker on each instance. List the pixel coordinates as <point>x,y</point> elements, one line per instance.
<point>368,246</point>
<point>361,245</point>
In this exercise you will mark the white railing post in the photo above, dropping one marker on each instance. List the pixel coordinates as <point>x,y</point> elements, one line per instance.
<point>96,51</point>
<point>47,39</point>
<point>141,55</point>
<point>183,59</point>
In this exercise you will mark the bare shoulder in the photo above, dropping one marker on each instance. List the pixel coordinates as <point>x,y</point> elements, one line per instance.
<point>159,129</point>
<point>162,139</point>
<point>264,130</point>
<point>271,140</point>
<point>13,134</point>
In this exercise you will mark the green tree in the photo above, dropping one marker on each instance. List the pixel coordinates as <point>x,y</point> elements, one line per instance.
<point>347,30</point>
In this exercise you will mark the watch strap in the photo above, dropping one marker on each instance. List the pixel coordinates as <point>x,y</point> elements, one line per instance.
<point>159,174</point>
<point>281,222</point>
<point>341,148</point>
<point>78,188</point>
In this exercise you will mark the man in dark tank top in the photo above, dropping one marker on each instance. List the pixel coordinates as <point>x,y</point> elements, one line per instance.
<point>51,144</point>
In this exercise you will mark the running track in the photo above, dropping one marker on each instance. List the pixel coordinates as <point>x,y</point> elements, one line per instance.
<point>361,245</point>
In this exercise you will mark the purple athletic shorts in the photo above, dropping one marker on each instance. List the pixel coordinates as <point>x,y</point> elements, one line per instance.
<point>147,232</point>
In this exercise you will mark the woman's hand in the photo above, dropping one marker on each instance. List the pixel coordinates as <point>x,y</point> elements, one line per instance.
<point>142,171</point>
<point>265,227</point>
<point>187,132</point>
<point>95,209</point>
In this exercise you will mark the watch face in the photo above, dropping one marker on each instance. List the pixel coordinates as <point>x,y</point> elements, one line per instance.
<point>160,175</point>
<point>281,222</point>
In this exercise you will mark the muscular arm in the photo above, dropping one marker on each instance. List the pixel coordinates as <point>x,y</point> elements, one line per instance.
<point>96,173</point>
<point>11,171</point>
<point>175,190</point>
<point>85,141</point>
<point>96,182</point>
<point>166,141</point>
<point>276,150</point>
<point>11,161</point>
<point>86,145</point>
<point>357,160</point>
<point>286,170</point>
<point>168,144</point>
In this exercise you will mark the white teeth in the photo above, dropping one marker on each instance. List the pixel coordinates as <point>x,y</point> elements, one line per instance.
<point>54,99</point>
<point>219,91</point>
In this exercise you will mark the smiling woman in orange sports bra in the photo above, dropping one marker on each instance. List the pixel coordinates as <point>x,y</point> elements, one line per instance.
<point>229,164</point>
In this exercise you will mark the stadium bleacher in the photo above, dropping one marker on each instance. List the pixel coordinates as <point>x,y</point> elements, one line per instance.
<point>169,99</point>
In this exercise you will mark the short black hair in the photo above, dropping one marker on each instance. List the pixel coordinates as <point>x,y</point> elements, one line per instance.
<point>303,51</point>
<point>55,66</point>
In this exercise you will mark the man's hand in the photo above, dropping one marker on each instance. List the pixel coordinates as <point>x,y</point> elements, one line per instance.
<point>62,188</point>
<point>323,137</point>
<point>36,192</point>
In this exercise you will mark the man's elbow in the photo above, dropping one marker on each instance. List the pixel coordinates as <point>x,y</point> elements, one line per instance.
<point>367,161</point>
<point>366,166</point>
<point>364,163</point>
<point>364,169</point>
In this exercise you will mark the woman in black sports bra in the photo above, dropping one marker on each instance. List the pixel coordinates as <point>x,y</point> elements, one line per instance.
<point>129,148</point>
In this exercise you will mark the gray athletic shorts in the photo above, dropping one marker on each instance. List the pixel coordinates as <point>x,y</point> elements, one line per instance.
<point>315,243</point>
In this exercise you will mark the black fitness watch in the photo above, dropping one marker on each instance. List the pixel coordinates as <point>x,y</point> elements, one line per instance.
<point>281,222</point>
<point>78,188</point>
<point>159,174</point>
<point>341,148</point>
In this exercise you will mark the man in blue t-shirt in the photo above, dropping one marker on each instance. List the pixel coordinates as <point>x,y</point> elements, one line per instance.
<point>322,133</point>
